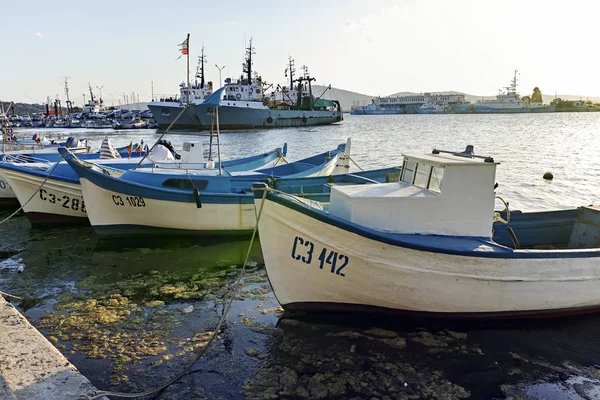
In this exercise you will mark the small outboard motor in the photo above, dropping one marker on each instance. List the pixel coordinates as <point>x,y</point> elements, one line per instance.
<point>72,142</point>
<point>169,146</point>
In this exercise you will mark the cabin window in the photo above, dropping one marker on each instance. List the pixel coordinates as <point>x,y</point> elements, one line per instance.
<point>422,175</point>
<point>187,183</point>
<point>408,171</point>
<point>435,180</point>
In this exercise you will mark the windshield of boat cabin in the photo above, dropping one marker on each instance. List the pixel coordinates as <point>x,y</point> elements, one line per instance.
<point>422,175</point>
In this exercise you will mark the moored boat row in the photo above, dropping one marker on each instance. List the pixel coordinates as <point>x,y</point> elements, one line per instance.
<point>422,239</point>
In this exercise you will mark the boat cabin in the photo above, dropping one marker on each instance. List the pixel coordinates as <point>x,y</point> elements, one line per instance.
<point>442,193</point>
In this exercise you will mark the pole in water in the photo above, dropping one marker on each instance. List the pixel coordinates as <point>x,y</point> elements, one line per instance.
<point>218,141</point>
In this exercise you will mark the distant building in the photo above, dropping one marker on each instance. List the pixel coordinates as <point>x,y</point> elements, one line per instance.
<point>579,103</point>
<point>410,103</point>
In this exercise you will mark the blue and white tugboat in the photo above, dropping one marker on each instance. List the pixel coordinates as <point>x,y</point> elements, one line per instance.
<point>425,245</point>
<point>243,104</point>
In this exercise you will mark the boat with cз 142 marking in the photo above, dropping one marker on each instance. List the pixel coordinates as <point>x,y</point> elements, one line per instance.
<point>424,245</point>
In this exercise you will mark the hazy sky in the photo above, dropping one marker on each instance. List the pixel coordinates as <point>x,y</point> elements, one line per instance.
<point>373,47</point>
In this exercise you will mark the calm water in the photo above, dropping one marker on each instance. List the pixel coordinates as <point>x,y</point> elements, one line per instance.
<point>130,314</point>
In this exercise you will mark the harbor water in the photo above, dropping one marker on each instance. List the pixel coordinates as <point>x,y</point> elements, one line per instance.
<point>130,314</point>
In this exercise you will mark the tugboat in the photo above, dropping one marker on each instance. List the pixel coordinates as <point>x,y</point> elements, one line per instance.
<point>243,104</point>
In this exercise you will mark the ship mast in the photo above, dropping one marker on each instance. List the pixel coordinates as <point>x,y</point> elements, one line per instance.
<point>248,64</point>
<point>514,82</point>
<point>291,70</point>
<point>91,94</point>
<point>200,72</point>
<point>69,105</point>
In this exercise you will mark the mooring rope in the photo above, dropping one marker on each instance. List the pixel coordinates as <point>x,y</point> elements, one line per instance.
<point>34,193</point>
<point>99,394</point>
<point>354,162</point>
<point>10,295</point>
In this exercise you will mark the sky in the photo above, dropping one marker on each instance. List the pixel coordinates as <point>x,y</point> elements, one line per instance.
<point>374,47</point>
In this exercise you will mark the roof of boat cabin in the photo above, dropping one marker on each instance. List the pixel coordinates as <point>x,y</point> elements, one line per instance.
<point>446,159</point>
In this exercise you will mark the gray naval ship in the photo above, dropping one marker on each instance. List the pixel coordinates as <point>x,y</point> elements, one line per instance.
<point>247,103</point>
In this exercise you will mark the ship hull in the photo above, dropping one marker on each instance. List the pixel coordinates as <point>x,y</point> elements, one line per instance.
<point>199,117</point>
<point>377,112</point>
<point>479,109</point>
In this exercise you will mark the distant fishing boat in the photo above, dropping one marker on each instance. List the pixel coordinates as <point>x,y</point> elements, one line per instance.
<point>425,245</point>
<point>507,101</point>
<point>243,103</point>
<point>201,202</point>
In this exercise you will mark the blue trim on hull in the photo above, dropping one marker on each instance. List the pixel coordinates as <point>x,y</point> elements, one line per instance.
<point>454,245</point>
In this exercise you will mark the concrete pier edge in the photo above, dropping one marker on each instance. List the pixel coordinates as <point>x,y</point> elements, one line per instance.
<point>30,366</point>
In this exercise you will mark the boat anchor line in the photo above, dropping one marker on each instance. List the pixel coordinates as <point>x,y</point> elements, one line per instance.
<point>10,295</point>
<point>34,193</point>
<point>164,133</point>
<point>100,394</point>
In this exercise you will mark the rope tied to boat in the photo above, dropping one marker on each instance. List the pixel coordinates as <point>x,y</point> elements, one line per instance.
<point>99,394</point>
<point>354,162</point>
<point>34,193</point>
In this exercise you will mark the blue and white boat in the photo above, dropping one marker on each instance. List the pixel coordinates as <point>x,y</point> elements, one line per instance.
<point>425,245</point>
<point>163,201</point>
<point>52,194</point>
<point>430,107</point>
<point>375,109</point>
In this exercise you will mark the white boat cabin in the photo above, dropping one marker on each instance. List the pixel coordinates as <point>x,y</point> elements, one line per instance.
<point>442,193</point>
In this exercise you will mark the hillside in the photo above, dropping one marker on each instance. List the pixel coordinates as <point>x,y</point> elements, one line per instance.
<point>21,108</point>
<point>345,97</point>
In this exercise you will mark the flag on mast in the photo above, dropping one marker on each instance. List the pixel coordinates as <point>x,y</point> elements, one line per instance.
<point>184,47</point>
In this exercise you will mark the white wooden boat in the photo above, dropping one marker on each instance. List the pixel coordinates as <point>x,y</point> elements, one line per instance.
<point>186,202</point>
<point>424,245</point>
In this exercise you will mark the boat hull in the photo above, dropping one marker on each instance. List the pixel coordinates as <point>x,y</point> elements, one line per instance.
<point>482,109</point>
<point>377,112</point>
<point>57,201</point>
<point>371,274</point>
<point>198,117</point>
<point>121,213</point>
<point>7,194</point>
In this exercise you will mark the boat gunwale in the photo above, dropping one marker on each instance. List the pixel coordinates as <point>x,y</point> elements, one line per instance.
<point>424,242</point>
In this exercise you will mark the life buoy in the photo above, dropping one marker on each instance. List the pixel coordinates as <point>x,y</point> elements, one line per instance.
<point>269,120</point>
<point>238,96</point>
<point>304,119</point>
